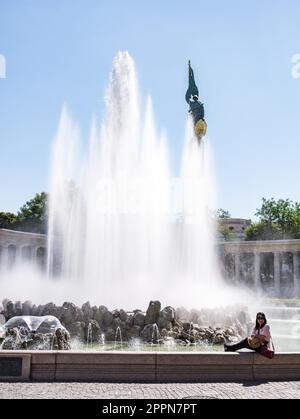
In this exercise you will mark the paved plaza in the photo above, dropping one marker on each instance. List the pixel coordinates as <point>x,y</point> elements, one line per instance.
<point>246,390</point>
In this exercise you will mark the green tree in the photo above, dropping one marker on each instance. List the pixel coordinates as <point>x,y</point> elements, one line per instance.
<point>225,233</point>
<point>35,209</point>
<point>31,217</point>
<point>7,219</point>
<point>221,213</point>
<point>277,220</point>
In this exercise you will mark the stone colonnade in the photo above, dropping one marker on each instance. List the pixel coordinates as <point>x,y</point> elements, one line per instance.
<point>273,264</point>
<point>18,246</point>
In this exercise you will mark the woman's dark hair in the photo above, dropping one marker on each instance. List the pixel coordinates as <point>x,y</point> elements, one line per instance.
<point>257,325</point>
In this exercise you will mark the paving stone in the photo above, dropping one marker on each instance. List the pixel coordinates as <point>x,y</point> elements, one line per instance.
<point>247,390</point>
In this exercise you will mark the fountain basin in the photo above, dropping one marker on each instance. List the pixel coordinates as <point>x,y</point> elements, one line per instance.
<point>121,366</point>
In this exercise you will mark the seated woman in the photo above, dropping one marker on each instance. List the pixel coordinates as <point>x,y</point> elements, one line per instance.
<point>260,336</point>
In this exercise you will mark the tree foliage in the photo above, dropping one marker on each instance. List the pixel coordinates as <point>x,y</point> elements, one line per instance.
<point>221,213</point>
<point>35,208</point>
<point>31,217</point>
<point>225,233</point>
<point>7,219</point>
<point>277,220</point>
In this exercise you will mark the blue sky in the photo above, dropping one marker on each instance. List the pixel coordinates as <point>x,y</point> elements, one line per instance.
<point>61,51</point>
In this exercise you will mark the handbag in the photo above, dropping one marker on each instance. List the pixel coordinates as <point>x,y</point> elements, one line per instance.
<point>265,351</point>
<point>254,342</point>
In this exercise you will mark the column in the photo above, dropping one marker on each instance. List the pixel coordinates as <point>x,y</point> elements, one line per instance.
<point>257,282</point>
<point>4,257</point>
<point>277,273</point>
<point>35,254</point>
<point>18,254</point>
<point>31,256</point>
<point>237,267</point>
<point>296,273</point>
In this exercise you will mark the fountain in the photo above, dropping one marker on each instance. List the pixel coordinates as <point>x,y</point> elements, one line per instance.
<point>123,230</point>
<point>33,332</point>
<point>118,338</point>
<point>102,340</point>
<point>155,334</point>
<point>113,214</point>
<point>89,336</point>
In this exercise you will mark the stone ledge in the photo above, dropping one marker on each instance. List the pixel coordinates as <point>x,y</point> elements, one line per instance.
<point>204,358</point>
<point>124,366</point>
<point>114,357</point>
<point>282,358</point>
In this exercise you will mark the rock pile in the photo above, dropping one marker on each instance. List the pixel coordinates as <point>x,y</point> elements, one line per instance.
<point>155,325</point>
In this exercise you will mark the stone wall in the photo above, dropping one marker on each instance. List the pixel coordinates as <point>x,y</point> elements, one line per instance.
<point>147,366</point>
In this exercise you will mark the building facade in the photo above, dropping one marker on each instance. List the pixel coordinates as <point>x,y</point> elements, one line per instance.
<point>236,226</point>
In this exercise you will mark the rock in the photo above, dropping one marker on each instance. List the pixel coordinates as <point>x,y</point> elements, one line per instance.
<point>26,308</point>
<point>99,315</point>
<point>51,309</point>
<point>39,310</point>
<point>133,332</point>
<point>87,311</point>
<point>34,310</point>
<point>150,333</point>
<point>18,308</point>
<point>139,318</point>
<point>117,323</point>
<point>123,315</point>
<point>166,318</point>
<point>95,312</point>
<point>164,333</point>
<point>92,331</point>
<point>4,303</point>
<point>107,319</point>
<point>110,335</point>
<point>218,338</point>
<point>79,315</point>
<point>68,313</point>
<point>152,312</point>
<point>103,317</point>
<point>115,313</point>
<point>77,330</point>
<point>155,326</point>
<point>187,326</point>
<point>9,310</point>
<point>129,321</point>
<point>61,340</point>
